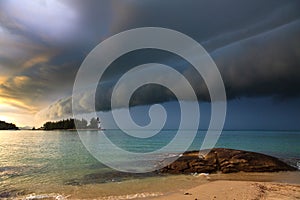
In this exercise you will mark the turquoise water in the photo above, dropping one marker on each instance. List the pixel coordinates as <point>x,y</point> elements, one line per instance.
<point>58,158</point>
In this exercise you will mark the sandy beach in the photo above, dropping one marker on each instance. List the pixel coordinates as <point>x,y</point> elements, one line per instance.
<point>68,173</point>
<point>238,190</point>
<point>242,186</point>
<point>238,186</point>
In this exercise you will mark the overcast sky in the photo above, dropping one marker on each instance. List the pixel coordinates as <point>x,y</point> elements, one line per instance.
<point>255,44</point>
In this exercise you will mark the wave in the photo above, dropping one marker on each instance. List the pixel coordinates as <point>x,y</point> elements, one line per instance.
<point>45,196</point>
<point>61,197</point>
<point>132,196</point>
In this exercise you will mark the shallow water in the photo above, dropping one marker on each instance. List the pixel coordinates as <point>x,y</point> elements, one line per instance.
<point>56,162</point>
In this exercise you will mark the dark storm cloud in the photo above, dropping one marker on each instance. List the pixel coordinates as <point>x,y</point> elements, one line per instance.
<point>254,43</point>
<point>266,64</point>
<point>263,65</point>
<point>210,20</point>
<point>258,55</point>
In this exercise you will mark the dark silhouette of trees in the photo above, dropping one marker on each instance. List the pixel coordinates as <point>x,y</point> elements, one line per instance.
<point>60,125</point>
<point>7,126</point>
<point>81,124</point>
<point>71,124</point>
<point>93,123</point>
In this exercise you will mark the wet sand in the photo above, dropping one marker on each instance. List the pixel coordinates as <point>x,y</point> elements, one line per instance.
<point>281,185</point>
<point>243,186</point>
<point>238,190</point>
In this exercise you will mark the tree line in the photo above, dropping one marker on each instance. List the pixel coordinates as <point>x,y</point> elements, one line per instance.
<point>71,124</point>
<point>7,126</point>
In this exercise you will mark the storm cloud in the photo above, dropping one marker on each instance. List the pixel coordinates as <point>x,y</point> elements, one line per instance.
<point>264,65</point>
<point>255,45</point>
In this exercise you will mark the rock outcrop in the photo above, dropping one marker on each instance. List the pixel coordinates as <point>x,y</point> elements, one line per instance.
<point>225,161</point>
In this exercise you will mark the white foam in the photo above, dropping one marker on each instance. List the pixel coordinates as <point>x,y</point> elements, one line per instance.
<point>45,196</point>
<point>132,196</point>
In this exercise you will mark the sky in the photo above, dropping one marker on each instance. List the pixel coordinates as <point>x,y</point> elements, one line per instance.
<point>255,45</point>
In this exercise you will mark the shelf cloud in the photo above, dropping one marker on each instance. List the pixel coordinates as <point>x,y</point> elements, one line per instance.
<point>255,44</point>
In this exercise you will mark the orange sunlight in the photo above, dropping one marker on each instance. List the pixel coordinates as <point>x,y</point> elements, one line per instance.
<point>13,111</point>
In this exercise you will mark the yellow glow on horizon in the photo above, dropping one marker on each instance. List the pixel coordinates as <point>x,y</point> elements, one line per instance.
<point>4,118</point>
<point>14,104</point>
<point>20,120</point>
<point>17,112</point>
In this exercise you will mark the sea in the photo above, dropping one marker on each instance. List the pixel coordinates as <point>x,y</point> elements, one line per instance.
<point>46,164</point>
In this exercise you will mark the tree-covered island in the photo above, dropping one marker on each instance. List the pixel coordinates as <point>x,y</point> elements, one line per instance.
<point>7,126</point>
<point>69,124</point>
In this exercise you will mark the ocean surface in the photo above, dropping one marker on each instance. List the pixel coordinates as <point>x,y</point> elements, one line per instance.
<point>45,162</point>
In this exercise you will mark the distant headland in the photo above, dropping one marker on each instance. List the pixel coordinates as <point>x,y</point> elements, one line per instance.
<point>7,126</point>
<point>71,124</point>
<point>65,124</point>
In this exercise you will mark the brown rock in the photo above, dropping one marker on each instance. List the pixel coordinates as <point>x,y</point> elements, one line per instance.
<point>225,161</point>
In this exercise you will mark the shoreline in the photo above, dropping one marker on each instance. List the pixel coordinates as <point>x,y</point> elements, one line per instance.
<point>239,190</point>
<point>231,173</point>
<point>191,187</point>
